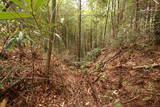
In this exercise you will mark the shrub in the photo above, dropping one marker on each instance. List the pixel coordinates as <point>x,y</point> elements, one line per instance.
<point>92,55</point>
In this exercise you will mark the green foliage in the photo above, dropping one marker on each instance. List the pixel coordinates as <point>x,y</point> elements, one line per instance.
<point>38,4</point>
<point>83,66</point>
<point>138,92</point>
<point>147,98</point>
<point>124,36</point>
<point>117,105</point>
<point>85,71</point>
<point>14,15</point>
<point>28,2</point>
<point>97,67</point>
<point>1,84</point>
<point>93,54</point>
<point>110,98</point>
<point>19,40</point>
<point>125,82</point>
<point>18,2</point>
<point>1,6</point>
<point>151,88</point>
<point>10,43</point>
<point>103,76</point>
<point>97,16</point>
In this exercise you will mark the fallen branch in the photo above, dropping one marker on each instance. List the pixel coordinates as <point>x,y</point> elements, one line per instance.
<point>156,1</point>
<point>146,66</point>
<point>116,55</point>
<point>35,78</point>
<point>125,102</point>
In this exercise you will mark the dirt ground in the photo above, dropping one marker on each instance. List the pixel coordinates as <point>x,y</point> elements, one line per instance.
<point>125,77</point>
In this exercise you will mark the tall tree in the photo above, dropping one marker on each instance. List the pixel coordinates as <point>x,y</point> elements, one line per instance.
<point>136,15</point>
<point>157,24</point>
<point>79,32</point>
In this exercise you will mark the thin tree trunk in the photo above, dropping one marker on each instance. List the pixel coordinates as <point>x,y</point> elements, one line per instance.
<point>79,32</point>
<point>91,35</point>
<point>112,19</point>
<point>137,15</point>
<point>64,33</point>
<point>52,30</point>
<point>96,33</point>
<point>106,22</point>
<point>118,14</point>
<point>157,25</point>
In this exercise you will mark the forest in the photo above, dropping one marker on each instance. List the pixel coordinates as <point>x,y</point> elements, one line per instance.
<point>79,53</point>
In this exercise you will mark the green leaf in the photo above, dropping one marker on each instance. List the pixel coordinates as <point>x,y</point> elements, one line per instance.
<point>14,15</point>
<point>18,41</point>
<point>51,25</point>
<point>147,98</point>
<point>21,35</point>
<point>58,36</point>
<point>28,2</point>
<point>1,84</point>
<point>38,4</point>
<point>10,43</point>
<point>18,2</point>
<point>117,105</point>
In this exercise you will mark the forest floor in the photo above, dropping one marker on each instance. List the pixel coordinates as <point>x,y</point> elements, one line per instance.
<point>125,77</point>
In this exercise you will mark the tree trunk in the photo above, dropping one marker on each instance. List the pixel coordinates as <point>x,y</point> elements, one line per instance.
<point>157,25</point>
<point>52,30</point>
<point>106,22</point>
<point>96,34</point>
<point>91,34</point>
<point>113,19</point>
<point>79,32</point>
<point>137,15</point>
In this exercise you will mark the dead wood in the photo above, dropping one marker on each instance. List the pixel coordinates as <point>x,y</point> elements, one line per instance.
<point>135,98</point>
<point>121,51</point>
<point>147,66</point>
